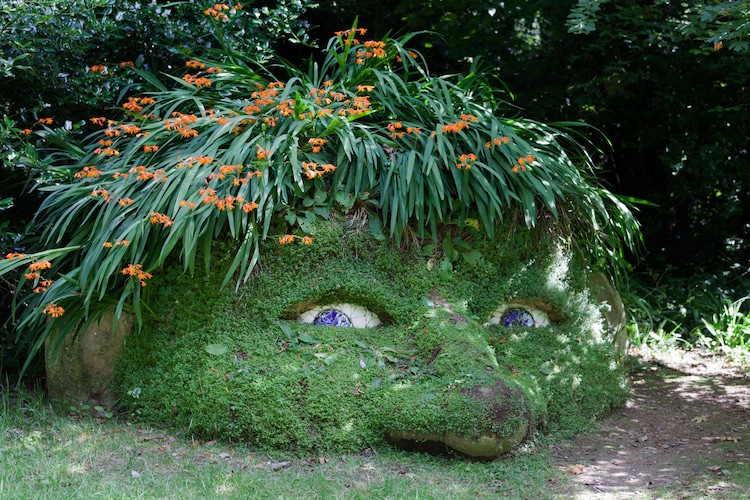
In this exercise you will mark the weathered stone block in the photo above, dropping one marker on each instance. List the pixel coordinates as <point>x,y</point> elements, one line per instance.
<point>613,311</point>
<point>83,367</point>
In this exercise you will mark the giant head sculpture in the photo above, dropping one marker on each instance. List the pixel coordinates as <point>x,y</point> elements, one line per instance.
<point>377,223</point>
<point>350,342</point>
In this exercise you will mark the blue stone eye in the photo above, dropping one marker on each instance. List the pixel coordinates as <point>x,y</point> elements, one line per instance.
<point>332,317</point>
<point>517,317</point>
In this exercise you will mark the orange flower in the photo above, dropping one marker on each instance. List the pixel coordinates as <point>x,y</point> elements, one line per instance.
<point>124,202</point>
<point>107,244</point>
<point>287,238</point>
<point>26,131</point>
<point>88,171</point>
<point>46,121</point>
<point>39,265</point>
<point>127,64</point>
<point>12,256</point>
<point>157,218</point>
<point>137,271</point>
<point>53,310</point>
<point>32,276</point>
<point>261,153</point>
<point>130,129</point>
<point>306,240</point>
<point>365,88</point>
<point>150,148</point>
<point>43,285</point>
<point>195,64</point>
<point>466,160</point>
<point>98,120</point>
<point>249,207</point>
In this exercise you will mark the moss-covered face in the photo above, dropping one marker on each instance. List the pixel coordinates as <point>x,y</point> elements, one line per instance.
<point>475,358</point>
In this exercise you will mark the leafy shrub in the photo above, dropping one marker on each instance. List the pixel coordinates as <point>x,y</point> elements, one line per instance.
<point>233,151</point>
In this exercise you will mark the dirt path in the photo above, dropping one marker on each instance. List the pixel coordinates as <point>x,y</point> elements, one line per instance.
<point>682,434</point>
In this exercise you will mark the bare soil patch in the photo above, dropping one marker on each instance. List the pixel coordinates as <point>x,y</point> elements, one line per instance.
<point>682,434</point>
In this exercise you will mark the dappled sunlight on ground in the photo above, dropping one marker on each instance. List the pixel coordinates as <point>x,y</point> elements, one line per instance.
<point>679,435</point>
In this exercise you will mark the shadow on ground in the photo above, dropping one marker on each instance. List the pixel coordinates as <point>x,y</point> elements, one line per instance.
<point>680,435</point>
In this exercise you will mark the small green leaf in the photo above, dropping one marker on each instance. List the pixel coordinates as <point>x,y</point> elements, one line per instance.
<point>285,328</point>
<point>306,339</point>
<point>216,349</point>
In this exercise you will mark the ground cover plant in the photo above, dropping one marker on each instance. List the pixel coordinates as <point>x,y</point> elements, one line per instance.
<point>247,152</point>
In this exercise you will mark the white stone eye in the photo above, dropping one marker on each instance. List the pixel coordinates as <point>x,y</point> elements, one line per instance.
<point>340,315</point>
<point>510,315</point>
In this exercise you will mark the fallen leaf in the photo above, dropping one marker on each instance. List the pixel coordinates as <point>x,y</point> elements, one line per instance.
<point>280,465</point>
<point>135,473</point>
<point>576,469</point>
<point>322,460</point>
<point>732,439</point>
<point>700,420</point>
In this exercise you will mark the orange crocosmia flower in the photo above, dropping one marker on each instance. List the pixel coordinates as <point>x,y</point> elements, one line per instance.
<point>195,64</point>
<point>137,271</point>
<point>107,244</point>
<point>11,256</point>
<point>157,218</point>
<point>53,310</point>
<point>98,120</point>
<point>306,240</point>
<point>150,148</point>
<point>249,207</point>
<point>130,128</point>
<point>32,276</point>
<point>287,238</point>
<point>214,70</point>
<point>26,131</point>
<point>46,121</point>
<point>127,64</point>
<point>261,153</point>
<point>88,171</point>
<point>530,159</point>
<point>365,88</point>
<point>124,202</point>
<point>39,265</point>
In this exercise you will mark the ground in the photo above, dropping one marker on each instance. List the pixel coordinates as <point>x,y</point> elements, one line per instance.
<point>681,434</point>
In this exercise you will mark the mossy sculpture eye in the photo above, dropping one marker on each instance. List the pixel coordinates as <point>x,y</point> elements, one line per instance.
<point>340,315</point>
<point>521,315</point>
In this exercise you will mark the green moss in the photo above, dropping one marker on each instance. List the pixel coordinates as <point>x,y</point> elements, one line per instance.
<point>430,368</point>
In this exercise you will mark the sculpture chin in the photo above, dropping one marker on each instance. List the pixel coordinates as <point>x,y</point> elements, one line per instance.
<point>487,445</point>
<point>509,412</point>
